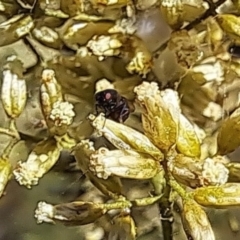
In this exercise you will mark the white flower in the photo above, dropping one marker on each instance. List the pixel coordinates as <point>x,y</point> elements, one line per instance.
<point>104,46</point>
<point>214,172</point>
<point>44,212</point>
<point>62,113</point>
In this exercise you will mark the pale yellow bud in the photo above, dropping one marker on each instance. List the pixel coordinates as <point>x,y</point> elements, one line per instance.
<point>126,164</point>
<point>124,137</point>
<point>225,195</point>
<point>51,92</point>
<point>74,213</point>
<point>196,221</point>
<point>159,124</point>
<point>187,142</point>
<point>13,94</point>
<point>5,174</point>
<point>123,228</point>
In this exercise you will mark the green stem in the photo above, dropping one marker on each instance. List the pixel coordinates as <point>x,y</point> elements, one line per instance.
<point>165,207</point>
<point>118,205</point>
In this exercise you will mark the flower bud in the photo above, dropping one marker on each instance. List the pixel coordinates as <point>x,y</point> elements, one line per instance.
<point>227,139</point>
<point>40,161</point>
<point>229,23</point>
<point>126,164</point>
<point>110,187</point>
<point>74,213</point>
<point>186,170</point>
<point>5,174</point>
<point>124,137</point>
<point>187,142</point>
<point>104,46</point>
<point>172,11</point>
<point>196,221</point>
<point>158,123</point>
<point>218,196</point>
<point>14,92</point>
<point>58,113</point>
<point>234,171</point>
<point>51,92</point>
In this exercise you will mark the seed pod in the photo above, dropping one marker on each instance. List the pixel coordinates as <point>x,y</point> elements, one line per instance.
<point>125,164</point>
<point>74,213</point>
<point>124,137</point>
<point>5,174</point>
<point>223,196</point>
<point>40,161</point>
<point>196,221</point>
<point>13,94</point>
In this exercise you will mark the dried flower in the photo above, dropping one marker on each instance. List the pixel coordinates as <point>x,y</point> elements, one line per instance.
<point>79,213</point>
<point>5,174</point>
<point>126,164</point>
<point>40,161</point>
<point>196,221</point>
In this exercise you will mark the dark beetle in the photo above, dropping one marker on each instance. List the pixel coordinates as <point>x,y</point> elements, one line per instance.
<point>234,50</point>
<point>112,104</point>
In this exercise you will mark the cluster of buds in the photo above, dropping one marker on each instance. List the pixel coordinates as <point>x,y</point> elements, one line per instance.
<point>58,116</point>
<point>169,137</point>
<point>118,45</point>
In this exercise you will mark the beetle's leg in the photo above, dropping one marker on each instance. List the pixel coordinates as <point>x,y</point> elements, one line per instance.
<point>124,113</point>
